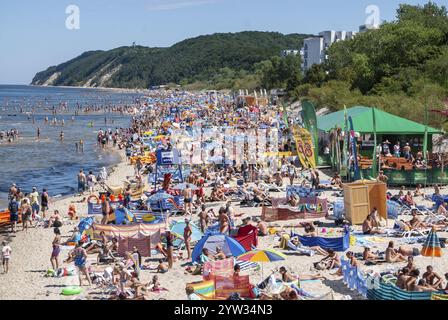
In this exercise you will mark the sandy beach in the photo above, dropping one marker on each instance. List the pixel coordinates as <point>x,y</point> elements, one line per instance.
<point>31,258</point>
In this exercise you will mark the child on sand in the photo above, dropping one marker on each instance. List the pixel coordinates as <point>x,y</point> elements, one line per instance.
<point>72,212</point>
<point>6,255</point>
<point>162,267</point>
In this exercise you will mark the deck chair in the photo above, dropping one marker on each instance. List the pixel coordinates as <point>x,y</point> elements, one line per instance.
<point>300,249</point>
<point>404,231</point>
<point>272,187</point>
<point>39,221</point>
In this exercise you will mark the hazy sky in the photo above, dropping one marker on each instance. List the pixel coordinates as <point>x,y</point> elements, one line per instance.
<point>33,34</point>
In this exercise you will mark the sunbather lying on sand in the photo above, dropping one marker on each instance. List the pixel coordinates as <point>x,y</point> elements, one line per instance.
<point>288,277</point>
<point>298,246</point>
<point>331,261</point>
<point>368,255</point>
<point>393,255</point>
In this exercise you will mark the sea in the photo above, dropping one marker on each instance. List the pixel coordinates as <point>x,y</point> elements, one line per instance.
<point>47,162</point>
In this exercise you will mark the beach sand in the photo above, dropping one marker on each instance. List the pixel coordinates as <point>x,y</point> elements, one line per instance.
<point>31,259</point>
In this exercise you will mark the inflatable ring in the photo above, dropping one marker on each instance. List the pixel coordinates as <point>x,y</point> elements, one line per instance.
<point>93,196</point>
<point>71,291</point>
<point>148,218</point>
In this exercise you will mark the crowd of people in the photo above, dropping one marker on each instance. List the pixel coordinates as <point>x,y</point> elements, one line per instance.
<point>215,193</point>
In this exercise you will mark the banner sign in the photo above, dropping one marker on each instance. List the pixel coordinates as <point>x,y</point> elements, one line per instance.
<point>166,158</point>
<point>305,148</point>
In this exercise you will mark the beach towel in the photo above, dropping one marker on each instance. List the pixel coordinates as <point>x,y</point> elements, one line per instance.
<point>284,241</point>
<point>204,288</point>
<point>439,296</point>
<point>340,244</point>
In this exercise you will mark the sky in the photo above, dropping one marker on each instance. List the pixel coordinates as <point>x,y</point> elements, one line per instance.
<point>34,34</point>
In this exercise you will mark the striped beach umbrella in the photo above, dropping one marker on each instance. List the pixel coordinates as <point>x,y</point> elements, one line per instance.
<point>262,256</point>
<point>431,247</point>
<point>267,255</point>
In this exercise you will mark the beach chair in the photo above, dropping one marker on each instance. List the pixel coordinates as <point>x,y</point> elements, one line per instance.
<point>272,187</point>
<point>404,232</point>
<point>299,249</point>
<point>433,218</point>
<point>39,221</point>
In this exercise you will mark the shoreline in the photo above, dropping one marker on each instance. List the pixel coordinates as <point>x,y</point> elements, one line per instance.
<point>120,90</point>
<point>110,170</point>
<point>30,262</point>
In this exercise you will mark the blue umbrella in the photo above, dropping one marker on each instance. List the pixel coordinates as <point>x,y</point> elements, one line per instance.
<point>211,241</point>
<point>160,196</point>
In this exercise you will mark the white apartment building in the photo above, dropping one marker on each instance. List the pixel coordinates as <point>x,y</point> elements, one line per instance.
<point>314,49</point>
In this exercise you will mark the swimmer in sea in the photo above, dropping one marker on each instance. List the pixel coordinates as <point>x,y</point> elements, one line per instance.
<point>38,133</point>
<point>61,136</point>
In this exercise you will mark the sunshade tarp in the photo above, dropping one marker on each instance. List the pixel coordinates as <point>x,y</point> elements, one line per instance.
<point>386,123</point>
<point>211,241</point>
<point>383,291</point>
<point>337,244</point>
<point>142,236</point>
<point>128,231</point>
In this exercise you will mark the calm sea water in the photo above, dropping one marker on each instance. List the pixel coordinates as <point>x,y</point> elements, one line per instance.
<point>47,162</point>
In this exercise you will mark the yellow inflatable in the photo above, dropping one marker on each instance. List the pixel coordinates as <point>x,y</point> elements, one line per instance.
<point>148,218</point>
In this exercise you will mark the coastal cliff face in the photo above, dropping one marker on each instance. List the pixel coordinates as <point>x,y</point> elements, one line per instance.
<point>192,60</point>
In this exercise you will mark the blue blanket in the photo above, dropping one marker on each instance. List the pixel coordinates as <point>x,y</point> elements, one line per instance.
<point>337,244</point>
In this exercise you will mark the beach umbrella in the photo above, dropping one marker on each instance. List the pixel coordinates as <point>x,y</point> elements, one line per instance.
<point>159,198</point>
<point>431,247</point>
<point>177,229</point>
<point>183,186</point>
<point>267,255</point>
<point>212,240</point>
<point>262,256</point>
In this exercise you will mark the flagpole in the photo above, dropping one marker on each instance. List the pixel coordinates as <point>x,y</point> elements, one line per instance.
<point>374,163</point>
<point>425,145</point>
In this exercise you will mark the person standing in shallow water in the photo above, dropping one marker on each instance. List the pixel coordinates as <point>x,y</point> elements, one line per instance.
<point>81,182</point>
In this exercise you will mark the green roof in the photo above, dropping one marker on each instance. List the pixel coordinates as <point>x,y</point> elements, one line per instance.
<point>362,117</point>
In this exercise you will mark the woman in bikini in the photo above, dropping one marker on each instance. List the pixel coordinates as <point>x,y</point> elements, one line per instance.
<point>56,244</point>
<point>223,222</point>
<point>187,238</point>
<point>80,257</point>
